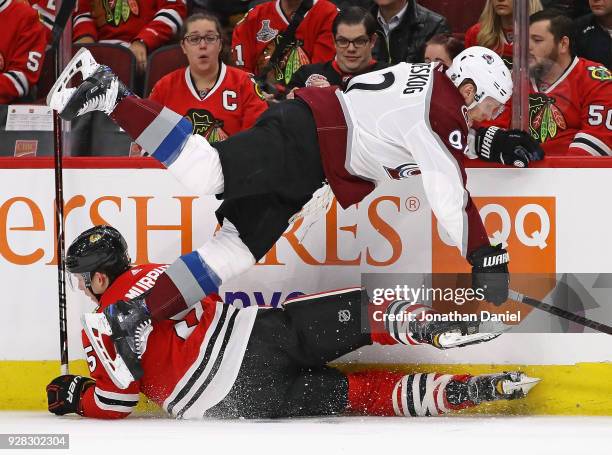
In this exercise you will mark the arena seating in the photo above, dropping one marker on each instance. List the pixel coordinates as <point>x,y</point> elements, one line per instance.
<point>161,62</point>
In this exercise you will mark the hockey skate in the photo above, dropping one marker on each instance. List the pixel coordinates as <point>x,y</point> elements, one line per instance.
<point>100,90</point>
<point>129,325</point>
<point>453,334</point>
<point>499,386</point>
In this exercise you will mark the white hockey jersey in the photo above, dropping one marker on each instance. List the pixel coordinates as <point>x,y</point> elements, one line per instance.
<point>401,121</point>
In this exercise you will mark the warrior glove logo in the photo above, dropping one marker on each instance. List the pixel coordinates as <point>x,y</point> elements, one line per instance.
<point>403,171</point>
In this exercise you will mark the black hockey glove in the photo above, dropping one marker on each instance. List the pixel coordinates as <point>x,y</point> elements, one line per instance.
<point>510,147</point>
<point>490,272</point>
<point>64,393</point>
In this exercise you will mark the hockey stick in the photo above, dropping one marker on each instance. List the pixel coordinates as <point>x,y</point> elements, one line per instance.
<point>61,20</point>
<point>599,326</point>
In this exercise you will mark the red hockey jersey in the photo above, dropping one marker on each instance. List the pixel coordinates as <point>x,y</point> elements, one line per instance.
<point>256,36</point>
<point>191,361</point>
<point>232,105</point>
<point>574,115</point>
<point>22,49</point>
<point>46,14</point>
<point>124,21</point>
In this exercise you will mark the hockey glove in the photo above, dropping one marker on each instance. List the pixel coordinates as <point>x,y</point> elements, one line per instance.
<point>510,147</point>
<point>490,272</point>
<point>64,393</point>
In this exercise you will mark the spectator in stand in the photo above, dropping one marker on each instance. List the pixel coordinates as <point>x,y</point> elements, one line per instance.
<point>594,33</point>
<point>143,26</point>
<point>46,14</point>
<point>570,105</point>
<point>256,36</point>
<point>219,100</point>
<point>404,27</point>
<point>443,47</point>
<point>495,28</point>
<point>571,8</point>
<point>22,49</point>
<point>354,32</point>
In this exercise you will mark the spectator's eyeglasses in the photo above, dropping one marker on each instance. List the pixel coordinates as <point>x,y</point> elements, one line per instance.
<point>343,43</point>
<point>195,40</point>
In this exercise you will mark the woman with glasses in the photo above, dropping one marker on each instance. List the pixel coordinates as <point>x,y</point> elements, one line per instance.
<point>219,100</point>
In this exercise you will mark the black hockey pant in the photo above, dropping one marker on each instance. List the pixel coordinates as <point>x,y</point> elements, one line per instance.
<point>284,372</point>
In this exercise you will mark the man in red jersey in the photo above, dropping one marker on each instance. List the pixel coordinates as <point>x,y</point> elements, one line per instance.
<point>22,49</point>
<point>255,38</point>
<point>220,361</point>
<point>142,25</point>
<point>570,104</point>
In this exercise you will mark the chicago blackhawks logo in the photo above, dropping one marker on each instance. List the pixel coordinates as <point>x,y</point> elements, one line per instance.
<point>545,119</point>
<point>205,124</point>
<point>403,171</point>
<point>293,58</point>
<point>114,11</point>
<point>600,73</point>
<point>266,33</point>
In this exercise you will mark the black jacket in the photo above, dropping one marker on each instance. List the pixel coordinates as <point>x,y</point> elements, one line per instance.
<point>592,42</point>
<point>407,40</point>
<point>327,69</point>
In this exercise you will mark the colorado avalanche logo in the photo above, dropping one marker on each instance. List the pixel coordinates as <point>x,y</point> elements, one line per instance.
<point>403,171</point>
<point>489,59</point>
<point>266,33</point>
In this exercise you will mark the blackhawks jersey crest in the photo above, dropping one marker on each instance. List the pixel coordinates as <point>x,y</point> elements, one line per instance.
<point>292,60</point>
<point>114,12</point>
<point>600,73</point>
<point>545,118</point>
<point>205,124</point>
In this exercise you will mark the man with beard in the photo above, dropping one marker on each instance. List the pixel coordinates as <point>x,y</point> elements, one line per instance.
<point>570,108</point>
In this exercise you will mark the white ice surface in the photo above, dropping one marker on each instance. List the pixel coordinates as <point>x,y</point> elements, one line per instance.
<point>314,436</point>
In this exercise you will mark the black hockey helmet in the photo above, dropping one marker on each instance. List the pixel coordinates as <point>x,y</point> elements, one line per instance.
<point>99,249</point>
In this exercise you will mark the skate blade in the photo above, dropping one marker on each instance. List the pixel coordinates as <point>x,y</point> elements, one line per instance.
<point>454,339</point>
<point>115,367</point>
<point>523,385</point>
<point>82,62</point>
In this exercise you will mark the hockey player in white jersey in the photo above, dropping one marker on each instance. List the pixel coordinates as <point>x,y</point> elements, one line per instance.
<point>386,124</point>
<point>218,360</point>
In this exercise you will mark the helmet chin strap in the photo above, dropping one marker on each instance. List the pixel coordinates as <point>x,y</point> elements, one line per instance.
<point>97,296</point>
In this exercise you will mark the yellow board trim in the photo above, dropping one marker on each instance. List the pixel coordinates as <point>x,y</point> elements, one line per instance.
<point>580,389</point>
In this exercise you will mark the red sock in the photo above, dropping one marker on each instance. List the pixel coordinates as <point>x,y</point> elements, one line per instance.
<point>384,393</point>
<point>134,114</point>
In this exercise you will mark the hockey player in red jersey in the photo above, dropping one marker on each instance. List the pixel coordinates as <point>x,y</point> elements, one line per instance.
<point>221,361</point>
<point>22,49</point>
<point>386,124</point>
<point>142,25</point>
<point>218,99</point>
<point>255,38</point>
<point>570,104</point>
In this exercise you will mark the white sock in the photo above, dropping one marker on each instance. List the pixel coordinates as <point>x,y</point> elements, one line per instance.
<point>198,167</point>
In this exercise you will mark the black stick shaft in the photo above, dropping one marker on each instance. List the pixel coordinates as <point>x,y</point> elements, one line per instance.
<point>61,19</point>
<point>599,326</point>
<point>59,229</point>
